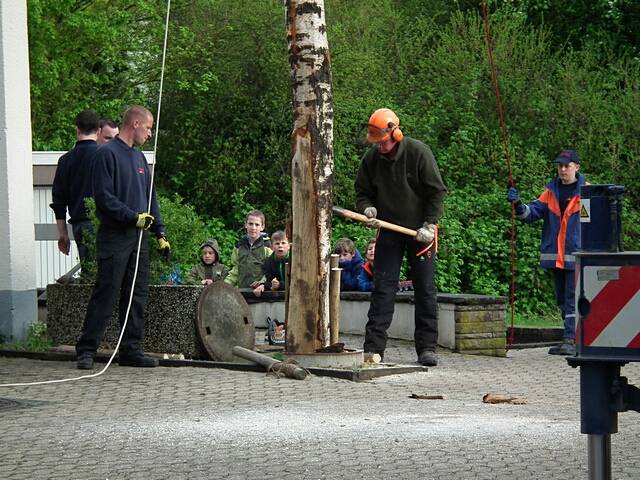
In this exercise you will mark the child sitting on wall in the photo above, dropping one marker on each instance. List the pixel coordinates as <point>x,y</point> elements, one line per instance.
<point>365,279</point>
<point>350,262</point>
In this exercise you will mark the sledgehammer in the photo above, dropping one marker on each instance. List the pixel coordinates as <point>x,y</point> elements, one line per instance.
<point>358,217</point>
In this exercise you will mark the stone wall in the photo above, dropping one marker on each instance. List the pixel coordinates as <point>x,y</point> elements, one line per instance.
<point>480,329</point>
<point>472,324</point>
<point>170,318</point>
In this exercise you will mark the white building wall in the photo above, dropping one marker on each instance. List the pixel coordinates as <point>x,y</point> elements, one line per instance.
<point>18,307</point>
<point>50,263</point>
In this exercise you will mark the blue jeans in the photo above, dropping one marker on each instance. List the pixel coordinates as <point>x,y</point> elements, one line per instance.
<point>565,286</point>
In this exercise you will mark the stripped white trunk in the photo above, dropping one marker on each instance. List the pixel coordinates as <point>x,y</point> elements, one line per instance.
<point>311,175</point>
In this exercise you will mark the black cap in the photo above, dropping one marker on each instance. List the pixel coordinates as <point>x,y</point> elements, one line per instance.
<point>567,156</point>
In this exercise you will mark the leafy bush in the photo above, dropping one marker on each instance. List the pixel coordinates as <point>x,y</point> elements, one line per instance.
<point>186,230</point>
<point>224,143</point>
<point>35,341</point>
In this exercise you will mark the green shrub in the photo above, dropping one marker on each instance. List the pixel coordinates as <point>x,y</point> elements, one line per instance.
<point>186,230</point>
<point>35,341</point>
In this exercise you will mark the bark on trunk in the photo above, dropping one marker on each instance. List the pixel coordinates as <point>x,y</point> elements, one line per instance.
<point>311,175</point>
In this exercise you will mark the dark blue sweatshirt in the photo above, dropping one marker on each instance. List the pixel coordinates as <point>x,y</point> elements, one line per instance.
<point>121,185</point>
<point>72,182</point>
<point>350,273</point>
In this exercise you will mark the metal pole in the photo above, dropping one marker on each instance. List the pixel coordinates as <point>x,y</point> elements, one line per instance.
<point>599,449</point>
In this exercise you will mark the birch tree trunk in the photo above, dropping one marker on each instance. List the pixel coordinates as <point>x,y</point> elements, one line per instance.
<point>311,176</point>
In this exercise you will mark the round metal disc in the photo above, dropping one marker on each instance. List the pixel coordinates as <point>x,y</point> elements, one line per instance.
<point>224,321</point>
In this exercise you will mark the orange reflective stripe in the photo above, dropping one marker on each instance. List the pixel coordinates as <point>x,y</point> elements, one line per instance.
<point>550,200</point>
<point>572,207</point>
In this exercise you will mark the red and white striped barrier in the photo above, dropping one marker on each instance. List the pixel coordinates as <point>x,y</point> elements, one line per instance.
<point>613,320</point>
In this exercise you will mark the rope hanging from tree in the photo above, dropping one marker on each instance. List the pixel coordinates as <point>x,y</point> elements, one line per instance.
<point>503,129</point>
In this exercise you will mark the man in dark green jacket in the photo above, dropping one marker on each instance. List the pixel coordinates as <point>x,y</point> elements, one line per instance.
<point>399,182</point>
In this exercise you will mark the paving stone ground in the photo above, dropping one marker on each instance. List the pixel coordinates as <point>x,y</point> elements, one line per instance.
<point>193,423</point>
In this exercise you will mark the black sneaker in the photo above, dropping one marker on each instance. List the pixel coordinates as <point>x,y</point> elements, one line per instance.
<point>138,361</point>
<point>428,358</point>
<point>85,361</point>
<point>567,348</point>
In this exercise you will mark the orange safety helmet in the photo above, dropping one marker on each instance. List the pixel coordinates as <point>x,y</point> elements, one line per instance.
<point>383,124</point>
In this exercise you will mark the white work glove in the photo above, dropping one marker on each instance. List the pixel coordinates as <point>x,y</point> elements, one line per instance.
<point>371,213</point>
<point>426,233</point>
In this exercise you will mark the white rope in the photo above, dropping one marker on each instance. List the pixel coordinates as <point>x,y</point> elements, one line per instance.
<point>135,274</point>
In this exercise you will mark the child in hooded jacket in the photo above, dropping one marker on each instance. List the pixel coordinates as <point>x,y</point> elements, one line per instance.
<point>350,262</point>
<point>209,269</point>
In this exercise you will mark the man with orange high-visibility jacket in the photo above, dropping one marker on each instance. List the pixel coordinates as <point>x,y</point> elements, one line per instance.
<point>559,208</point>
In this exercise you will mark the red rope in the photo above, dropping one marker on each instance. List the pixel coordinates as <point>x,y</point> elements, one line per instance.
<point>503,128</point>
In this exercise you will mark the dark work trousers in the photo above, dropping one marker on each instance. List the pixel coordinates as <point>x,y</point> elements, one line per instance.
<point>116,255</point>
<point>390,249</point>
<point>565,285</point>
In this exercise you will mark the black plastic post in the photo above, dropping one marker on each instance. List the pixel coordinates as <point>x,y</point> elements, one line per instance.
<point>597,414</point>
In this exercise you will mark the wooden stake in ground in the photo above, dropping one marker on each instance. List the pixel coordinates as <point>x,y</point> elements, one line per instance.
<point>311,176</point>
<point>334,299</point>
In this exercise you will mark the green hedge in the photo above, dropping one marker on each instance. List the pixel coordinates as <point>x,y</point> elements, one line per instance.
<point>224,141</point>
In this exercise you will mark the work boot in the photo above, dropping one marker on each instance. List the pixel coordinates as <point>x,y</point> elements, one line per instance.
<point>567,348</point>
<point>428,358</point>
<point>139,360</point>
<point>85,361</point>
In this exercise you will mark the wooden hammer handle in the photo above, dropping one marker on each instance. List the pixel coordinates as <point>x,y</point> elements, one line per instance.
<point>358,217</point>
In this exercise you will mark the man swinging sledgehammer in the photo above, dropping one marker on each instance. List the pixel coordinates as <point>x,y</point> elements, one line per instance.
<point>399,182</point>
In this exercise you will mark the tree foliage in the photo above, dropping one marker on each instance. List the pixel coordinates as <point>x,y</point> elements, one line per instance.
<point>99,54</point>
<point>568,72</point>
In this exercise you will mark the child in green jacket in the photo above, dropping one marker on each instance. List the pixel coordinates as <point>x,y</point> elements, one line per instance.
<point>249,255</point>
<point>209,269</point>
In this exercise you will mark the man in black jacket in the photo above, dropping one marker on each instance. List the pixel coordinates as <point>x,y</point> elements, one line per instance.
<point>107,131</point>
<point>72,184</point>
<point>121,188</point>
<point>399,182</point>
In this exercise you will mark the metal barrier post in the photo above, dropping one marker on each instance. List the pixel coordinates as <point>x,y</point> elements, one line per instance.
<point>599,449</point>
<point>607,328</point>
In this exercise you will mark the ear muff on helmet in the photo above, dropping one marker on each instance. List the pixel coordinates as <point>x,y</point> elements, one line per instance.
<point>396,133</point>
